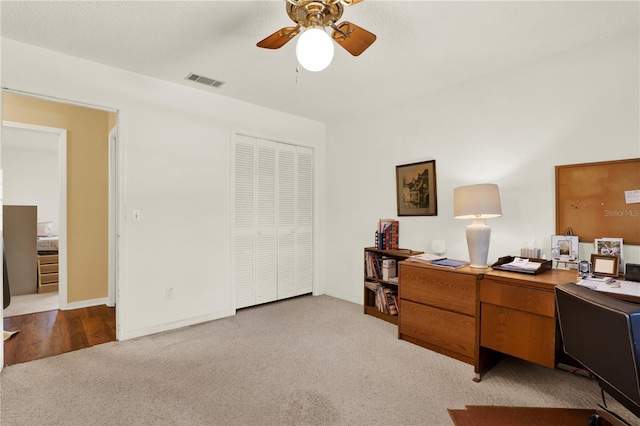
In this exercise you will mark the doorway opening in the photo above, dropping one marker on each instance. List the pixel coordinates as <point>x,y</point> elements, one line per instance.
<point>87,220</point>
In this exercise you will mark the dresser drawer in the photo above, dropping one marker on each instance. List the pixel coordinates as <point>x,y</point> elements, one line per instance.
<point>519,333</point>
<point>49,268</point>
<point>48,258</point>
<point>48,278</point>
<point>533,300</point>
<point>443,329</point>
<point>439,288</point>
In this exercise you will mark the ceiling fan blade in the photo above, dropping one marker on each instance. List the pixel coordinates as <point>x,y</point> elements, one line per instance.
<point>352,37</point>
<point>279,38</point>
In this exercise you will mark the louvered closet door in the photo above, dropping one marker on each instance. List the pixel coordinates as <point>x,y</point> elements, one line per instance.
<point>287,276</point>
<point>304,216</point>
<point>295,221</point>
<point>273,221</point>
<point>243,260</point>
<point>266,238</point>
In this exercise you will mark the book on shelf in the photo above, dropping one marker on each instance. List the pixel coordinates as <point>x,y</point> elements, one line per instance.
<point>380,267</point>
<point>391,306</point>
<point>373,269</point>
<point>387,235</point>
<point>371,285</point>
<point>386,299</point>
<point>381,303</point>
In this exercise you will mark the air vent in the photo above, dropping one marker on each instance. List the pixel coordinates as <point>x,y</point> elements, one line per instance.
<point>204,80</point>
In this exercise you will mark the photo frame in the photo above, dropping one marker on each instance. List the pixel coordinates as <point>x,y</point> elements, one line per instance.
<point>604,266</point>
<point>564,247</point>
<point>416,189</point>
<point>610,247</point>
<point>584,268</point>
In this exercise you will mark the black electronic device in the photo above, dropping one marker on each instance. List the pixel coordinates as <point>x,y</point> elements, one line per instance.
<point>632,272</point>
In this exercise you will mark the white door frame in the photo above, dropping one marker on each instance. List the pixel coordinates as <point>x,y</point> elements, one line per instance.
<point>62,201</point>
<point>113,216</point>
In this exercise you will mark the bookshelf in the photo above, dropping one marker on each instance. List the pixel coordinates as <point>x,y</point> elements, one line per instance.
<point>377,278</point>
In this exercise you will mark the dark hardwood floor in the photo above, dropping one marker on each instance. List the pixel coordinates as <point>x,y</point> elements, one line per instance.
<point>51,333</point>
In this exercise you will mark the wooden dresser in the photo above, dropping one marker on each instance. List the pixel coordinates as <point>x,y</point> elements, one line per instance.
<point>439,309</point>
<point>47,273</point>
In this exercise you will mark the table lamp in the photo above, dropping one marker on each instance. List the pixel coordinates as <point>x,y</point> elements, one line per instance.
<point>477,202</point>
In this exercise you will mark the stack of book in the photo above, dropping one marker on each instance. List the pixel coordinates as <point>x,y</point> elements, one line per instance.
<point>433,259</point>
<point>386,298</point>
<point>372,266</point>
<point>380,267</point>
<point>387,234</point>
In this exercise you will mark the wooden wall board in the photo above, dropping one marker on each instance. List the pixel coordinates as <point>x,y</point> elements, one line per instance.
<point>599,200</point>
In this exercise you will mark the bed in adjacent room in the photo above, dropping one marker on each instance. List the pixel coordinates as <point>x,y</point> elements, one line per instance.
<point>48,244</point>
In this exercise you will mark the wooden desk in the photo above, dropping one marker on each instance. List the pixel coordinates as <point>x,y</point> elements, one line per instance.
<point>476,315</point>
<point>518,316</point>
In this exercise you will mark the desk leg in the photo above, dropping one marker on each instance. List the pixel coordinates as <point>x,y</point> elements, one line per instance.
<point>487,359</point>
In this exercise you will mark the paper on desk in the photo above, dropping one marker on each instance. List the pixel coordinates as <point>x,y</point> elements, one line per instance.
<point>588,284</point>
<point>520,263</point>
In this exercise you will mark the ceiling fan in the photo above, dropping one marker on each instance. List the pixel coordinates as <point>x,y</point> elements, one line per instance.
<point>315,49</point>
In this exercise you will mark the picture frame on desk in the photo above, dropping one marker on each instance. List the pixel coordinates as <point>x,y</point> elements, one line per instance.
<point>604,265</point>
<point>584,268</point>
<point>416,189</point>
<point>564,247</point>
<point>610,247</point>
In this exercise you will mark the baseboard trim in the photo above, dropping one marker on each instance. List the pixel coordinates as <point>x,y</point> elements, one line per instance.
<point>146,331</point>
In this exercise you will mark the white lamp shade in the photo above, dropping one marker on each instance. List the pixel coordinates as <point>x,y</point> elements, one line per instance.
<point>314,49</point>
<point>480,201</point>
<point>477,202</point>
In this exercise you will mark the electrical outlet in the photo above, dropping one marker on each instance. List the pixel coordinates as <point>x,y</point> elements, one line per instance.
<point>169,293</point>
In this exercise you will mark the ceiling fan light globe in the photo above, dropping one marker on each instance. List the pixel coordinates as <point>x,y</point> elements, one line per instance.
<point>314,49</point>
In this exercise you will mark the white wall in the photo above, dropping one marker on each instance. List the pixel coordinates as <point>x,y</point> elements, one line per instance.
<point>30,164</point>
<point>174,149</point>
<point>511,128</point>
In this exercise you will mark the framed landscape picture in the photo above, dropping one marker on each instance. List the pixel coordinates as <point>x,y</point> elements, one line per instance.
<point>416,189</point>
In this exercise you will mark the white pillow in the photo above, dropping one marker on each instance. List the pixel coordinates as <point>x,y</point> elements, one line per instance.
<point>45,229</point>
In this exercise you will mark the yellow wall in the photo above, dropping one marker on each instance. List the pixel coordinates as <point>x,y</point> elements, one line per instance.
<point>87,186</point>
<point>112,117</point>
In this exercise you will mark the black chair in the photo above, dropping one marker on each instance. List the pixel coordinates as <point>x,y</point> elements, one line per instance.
<point>603,334</point>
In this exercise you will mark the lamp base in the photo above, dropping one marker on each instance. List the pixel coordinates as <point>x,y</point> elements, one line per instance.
<point>478,237</point>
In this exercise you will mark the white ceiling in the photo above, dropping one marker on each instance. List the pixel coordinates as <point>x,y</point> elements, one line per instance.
<point>422,45</point>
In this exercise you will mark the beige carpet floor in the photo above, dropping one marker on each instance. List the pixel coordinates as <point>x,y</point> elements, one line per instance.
<point>303,361</point>
<point>31,303</point>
